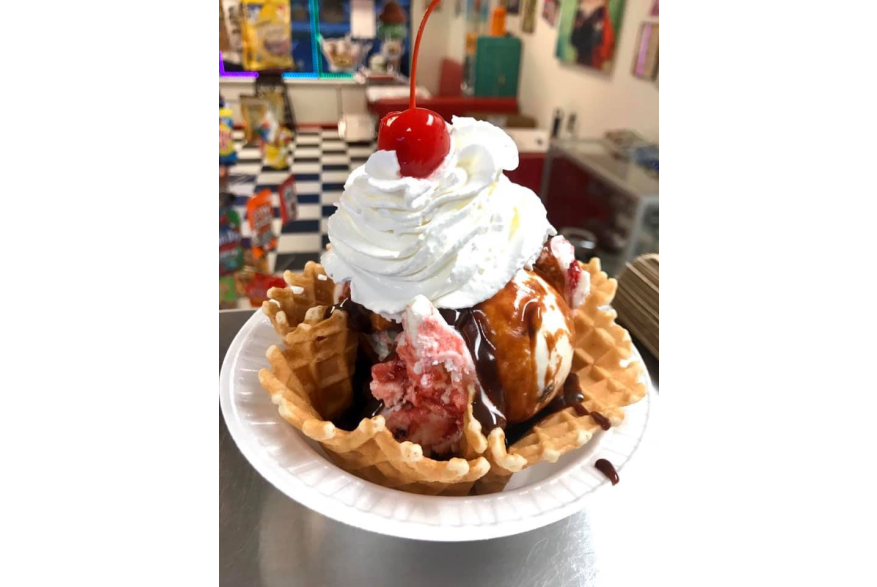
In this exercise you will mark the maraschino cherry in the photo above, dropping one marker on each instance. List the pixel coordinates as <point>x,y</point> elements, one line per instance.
<point>419,136</point>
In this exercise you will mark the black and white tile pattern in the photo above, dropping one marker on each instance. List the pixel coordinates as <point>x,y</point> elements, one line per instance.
<point>320,161</point>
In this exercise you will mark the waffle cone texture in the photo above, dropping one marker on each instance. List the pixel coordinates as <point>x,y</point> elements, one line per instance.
<point>312,375</point>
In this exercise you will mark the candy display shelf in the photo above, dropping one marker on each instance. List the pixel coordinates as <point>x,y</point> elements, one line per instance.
<point>326,28</point>
<point>301,26</point>
<point>313,19</point>
<point>334,28</point>
<point>292,78</point>
<point>226,81</point>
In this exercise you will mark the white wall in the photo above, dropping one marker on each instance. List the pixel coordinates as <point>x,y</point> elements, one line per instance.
<point>437,43</point>
<point>601,101</point>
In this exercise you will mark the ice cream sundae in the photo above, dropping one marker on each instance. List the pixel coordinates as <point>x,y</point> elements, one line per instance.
<point>480,345</point>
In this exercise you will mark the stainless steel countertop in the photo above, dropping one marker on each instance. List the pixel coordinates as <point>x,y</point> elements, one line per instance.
<point>267,539</point>
<point>595,156</point>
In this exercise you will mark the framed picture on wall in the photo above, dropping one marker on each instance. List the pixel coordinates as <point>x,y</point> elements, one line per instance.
<point>645,57</point>
<point>588,31</point>
<point>549,11</point>
<point>528,24</point>
<point>477,14</point>
<point>513,6</point>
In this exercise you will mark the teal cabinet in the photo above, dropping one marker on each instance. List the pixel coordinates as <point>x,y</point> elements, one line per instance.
<point>497,66</point>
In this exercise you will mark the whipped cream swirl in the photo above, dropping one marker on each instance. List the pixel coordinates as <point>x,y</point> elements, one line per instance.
<point>456,237</point>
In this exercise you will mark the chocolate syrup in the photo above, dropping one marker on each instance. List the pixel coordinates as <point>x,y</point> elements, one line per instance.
<point>571,395</point>
<point>548,268</point>
<point>489,402</point>
<point>364,403</point>
<point>488,405</point>
<point>358,316</point>
<point>602,420</point>
<point>607,469</point>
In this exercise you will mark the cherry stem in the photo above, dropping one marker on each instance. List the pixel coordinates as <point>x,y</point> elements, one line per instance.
<point>433,4</point>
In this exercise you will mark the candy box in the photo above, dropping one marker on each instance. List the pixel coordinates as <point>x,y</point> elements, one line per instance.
<point>227,154</point>
<point>260,214</point>
<point>231,253</point>
<point>288,201</point>
<point>266,34</point>
<point>228,294</point>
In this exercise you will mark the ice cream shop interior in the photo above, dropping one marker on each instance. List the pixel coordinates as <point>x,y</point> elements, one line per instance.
<point>564,93</point>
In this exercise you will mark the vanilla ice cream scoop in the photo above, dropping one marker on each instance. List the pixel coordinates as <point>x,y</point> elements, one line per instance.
<point>521,343</point>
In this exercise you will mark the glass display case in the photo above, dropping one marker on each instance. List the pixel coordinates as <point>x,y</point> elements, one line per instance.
<point>586,186</point>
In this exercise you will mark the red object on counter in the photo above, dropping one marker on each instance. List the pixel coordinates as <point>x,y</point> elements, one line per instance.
<point>451,78</point>
<point>257,290</point>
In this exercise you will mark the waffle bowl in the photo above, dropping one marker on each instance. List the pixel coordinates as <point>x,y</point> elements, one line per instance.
<point>313,376</point>
<point>286,307</point>
<point>304,471</point>
<point>318,363</point>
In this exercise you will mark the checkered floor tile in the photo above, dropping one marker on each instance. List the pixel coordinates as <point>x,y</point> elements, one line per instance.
<point>320,161</point>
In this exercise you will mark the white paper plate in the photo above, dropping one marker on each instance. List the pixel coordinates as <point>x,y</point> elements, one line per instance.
<point>537,496</point>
